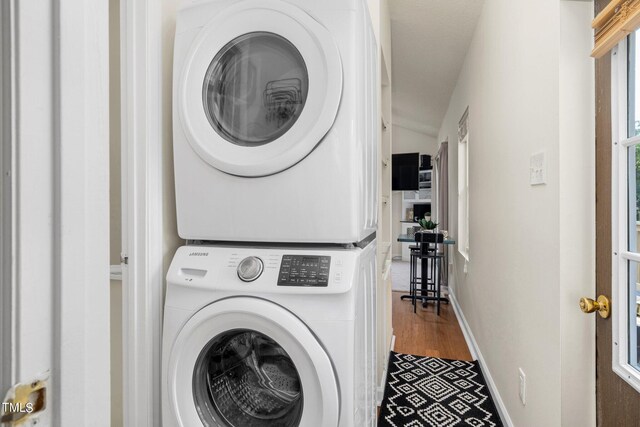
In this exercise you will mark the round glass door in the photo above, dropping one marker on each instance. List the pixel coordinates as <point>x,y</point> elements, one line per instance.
<point>255,89</point>
<point>258,89</point>
<point>244,378</point>
<point>245,361</point>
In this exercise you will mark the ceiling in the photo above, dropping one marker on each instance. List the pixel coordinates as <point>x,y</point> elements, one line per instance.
<point>429,42</point>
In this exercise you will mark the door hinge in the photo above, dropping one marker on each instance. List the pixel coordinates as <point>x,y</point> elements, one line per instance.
<point>124,259</point>
<point>24,401</point>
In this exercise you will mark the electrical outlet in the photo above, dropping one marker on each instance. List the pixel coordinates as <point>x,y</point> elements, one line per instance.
<point>538,169</point>
<point>523,387</point>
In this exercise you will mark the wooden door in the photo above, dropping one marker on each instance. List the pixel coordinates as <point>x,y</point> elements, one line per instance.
<point>618,404</point>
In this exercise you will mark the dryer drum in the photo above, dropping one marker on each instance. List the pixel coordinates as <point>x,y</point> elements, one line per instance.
<point>244,378</point>
<point>255,89</point>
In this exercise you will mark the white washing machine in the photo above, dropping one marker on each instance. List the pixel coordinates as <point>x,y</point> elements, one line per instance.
<point>269,337</point>
<point>275,121</point>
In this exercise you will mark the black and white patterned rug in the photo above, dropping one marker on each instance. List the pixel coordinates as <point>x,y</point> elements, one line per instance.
<point>432,392</point>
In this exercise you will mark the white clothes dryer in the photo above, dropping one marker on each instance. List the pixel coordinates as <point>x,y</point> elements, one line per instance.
<point>275,121</point>
<point>262,337</point>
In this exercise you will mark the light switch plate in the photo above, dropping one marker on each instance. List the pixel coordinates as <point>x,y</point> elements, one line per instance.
<point>538,169</point>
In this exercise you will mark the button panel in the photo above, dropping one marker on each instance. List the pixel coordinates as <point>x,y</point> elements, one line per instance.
<point>304,270</point>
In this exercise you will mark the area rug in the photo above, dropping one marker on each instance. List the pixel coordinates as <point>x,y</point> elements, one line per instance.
<point>427,391</point>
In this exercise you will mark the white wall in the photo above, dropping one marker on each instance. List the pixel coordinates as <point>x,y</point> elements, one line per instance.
<point>171,239</point>
<point>411,141</point>
<point>518,293</point>
<point>374,12</point>
<point>396,226</point>
<point>381,21</point>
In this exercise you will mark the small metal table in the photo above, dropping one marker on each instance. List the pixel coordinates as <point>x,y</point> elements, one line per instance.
<point>405,238</point>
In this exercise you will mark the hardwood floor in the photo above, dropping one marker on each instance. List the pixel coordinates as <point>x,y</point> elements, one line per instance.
<point>426,334</point>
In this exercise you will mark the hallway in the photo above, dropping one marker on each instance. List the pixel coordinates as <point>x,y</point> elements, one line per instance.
<point>426,334</point>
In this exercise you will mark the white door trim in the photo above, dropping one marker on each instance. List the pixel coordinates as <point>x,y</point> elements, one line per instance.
<point>142,207</point>
<point>81,373</point>
<point>7,375</point>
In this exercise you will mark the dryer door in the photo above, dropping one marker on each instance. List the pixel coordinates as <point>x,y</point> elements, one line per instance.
<point>248,362</point>
<point>260,88</point>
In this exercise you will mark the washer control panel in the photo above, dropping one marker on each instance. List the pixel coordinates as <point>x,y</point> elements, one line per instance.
<point>304,270</point>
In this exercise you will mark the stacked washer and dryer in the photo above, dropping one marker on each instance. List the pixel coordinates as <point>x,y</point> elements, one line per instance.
<point>270,307</point>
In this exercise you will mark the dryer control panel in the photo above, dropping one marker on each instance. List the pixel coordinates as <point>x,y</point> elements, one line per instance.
<point>304,270</point>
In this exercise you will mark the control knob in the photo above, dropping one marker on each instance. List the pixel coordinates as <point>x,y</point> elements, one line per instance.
<point>250,269</point>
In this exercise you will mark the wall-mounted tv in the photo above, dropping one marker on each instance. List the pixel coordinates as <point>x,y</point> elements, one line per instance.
<point>404,172</point>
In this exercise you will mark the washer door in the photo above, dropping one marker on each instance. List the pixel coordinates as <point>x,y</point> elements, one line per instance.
<point>248,362</point>
<point>260,89</point>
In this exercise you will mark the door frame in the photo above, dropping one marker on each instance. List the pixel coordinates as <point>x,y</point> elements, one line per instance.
<point>6,197</point>
<point>56,166</point>
<point>142,209</point>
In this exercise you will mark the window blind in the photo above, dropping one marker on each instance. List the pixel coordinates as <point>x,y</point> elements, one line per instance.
<point>615,22</point>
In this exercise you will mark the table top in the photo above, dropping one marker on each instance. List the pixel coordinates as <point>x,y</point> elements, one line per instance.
<point>410,239</point>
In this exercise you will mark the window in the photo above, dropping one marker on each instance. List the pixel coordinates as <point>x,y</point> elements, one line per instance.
<point>626,209</point>
<point>463,185</point>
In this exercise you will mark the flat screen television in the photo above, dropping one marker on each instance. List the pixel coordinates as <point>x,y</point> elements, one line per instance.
<point>404,172</point>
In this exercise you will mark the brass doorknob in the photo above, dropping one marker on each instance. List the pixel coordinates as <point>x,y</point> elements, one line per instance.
<point>601,305</point>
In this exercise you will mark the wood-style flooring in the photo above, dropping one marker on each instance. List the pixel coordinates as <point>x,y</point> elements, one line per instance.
<point>427,334</point>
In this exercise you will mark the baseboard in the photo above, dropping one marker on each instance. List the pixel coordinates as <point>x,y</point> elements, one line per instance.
<point>477,354</point>
<point>383,381</point>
